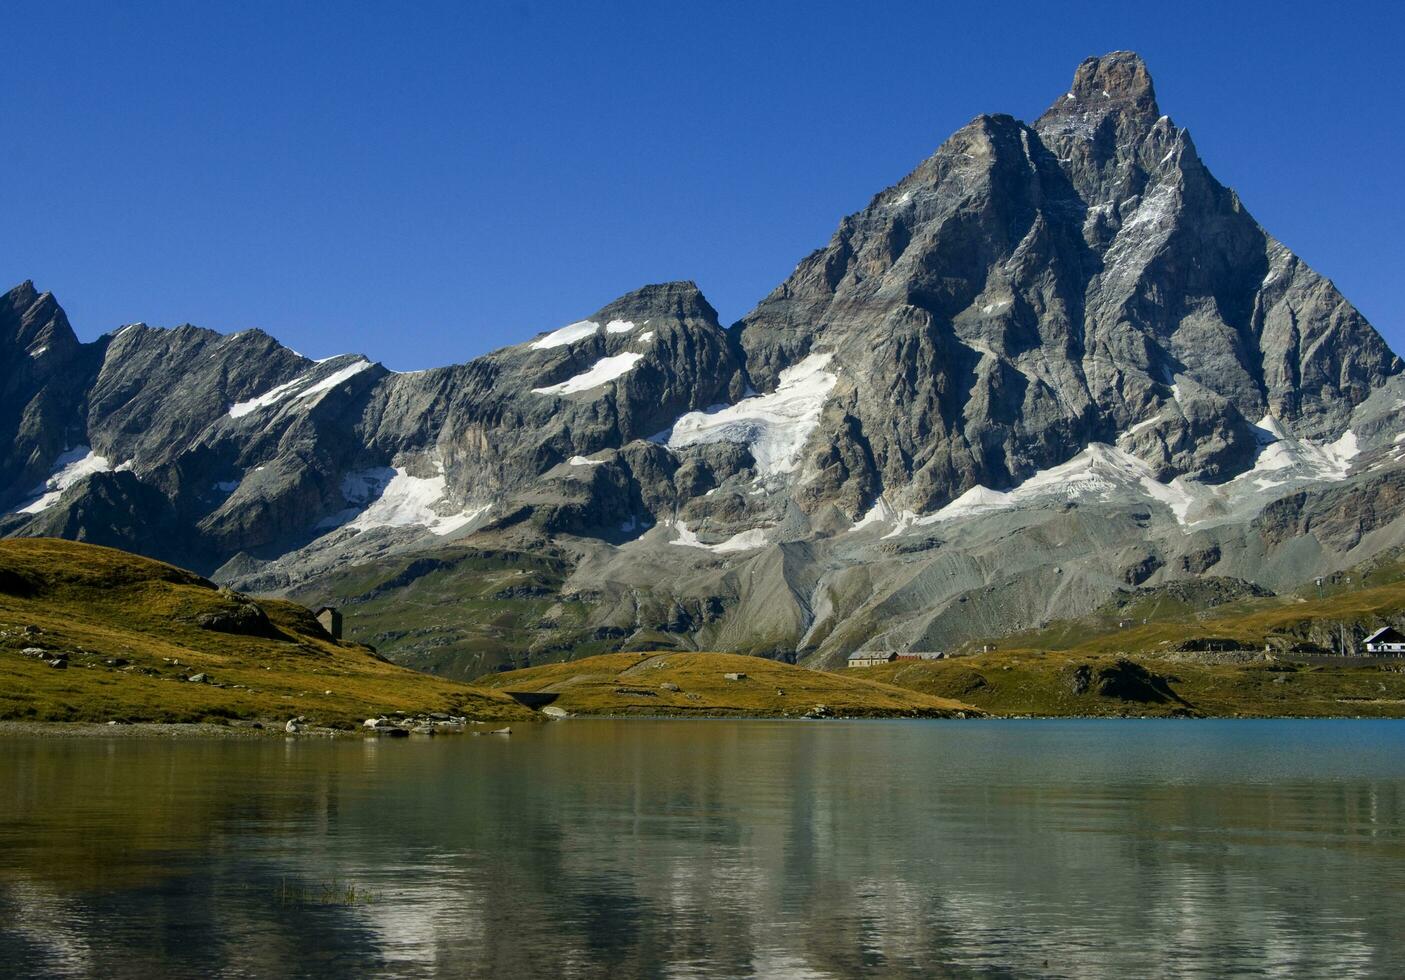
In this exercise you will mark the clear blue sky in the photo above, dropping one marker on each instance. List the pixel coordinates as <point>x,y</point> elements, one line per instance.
<point>424,182</point>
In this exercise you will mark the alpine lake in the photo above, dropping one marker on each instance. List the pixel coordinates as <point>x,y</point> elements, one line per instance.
<point>640,848</point>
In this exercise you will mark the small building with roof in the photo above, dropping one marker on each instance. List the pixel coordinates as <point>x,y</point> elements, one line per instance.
<point>1386,640</point>
<point>871,658</point>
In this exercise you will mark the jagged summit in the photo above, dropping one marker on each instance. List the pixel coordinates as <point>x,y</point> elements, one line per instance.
<point>681,298</point>
<point>1116,76</point>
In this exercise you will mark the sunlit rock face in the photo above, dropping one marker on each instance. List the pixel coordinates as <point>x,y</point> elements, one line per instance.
<point>1054,359</point>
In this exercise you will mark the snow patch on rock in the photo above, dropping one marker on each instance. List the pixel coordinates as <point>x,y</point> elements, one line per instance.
<point>71,466</point>
<point>773,426</point>
<point>880,513</point>
<point>568,334</point>
<point>743,541</point>
<point>603,370</point>
<point>1109,474</point>
<point>334,379</point>
<point>388,496</point>
<point>300,387</point>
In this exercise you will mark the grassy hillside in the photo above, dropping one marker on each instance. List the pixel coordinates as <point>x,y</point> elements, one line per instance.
<point>1162,652</point>
<point>134,631</point>
<point>694,684</point>
<point>461,612</point>
<point>1068,683</point>
<point>1334,618</point>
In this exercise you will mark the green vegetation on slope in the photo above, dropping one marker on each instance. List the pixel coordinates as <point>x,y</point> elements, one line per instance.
<point>695,684</point>
<point>132,633</point>
<point>1201,613</point>
<point>1068,683</point>
<point>1161,652</point>
<point>461,612</point>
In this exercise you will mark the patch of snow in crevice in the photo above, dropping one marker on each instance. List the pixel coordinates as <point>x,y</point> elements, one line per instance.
<point>646,337</point>
<point>619,326</point>
<point>334,379</point>
<point>603,370</point>
<point>742,541</point>
<point>36,353</point>
<point>389,496</point>
<point>774,426</point>
<point>1143,233</point>
<point>1106,473</point>
<point>1269,430</point>
<point>1141,426</point>
<point>71,466</point>
<point>300,387</point>
<point>880,513</point>
<point>271,397</point>
<point>583,461</point>
<point>687,537</point>
<point>1098,472</point>
<point>1283,460</point>
<point>568,334</point>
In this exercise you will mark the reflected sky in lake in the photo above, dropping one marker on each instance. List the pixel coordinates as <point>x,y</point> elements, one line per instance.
<point>692,848</point>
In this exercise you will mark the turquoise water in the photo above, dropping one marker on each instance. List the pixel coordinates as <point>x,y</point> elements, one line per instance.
<point>718,848</point>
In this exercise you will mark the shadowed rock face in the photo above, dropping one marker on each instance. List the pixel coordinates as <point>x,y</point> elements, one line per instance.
<point>1025,295</point>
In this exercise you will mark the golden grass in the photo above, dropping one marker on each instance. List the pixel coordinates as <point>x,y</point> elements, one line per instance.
<point>99,605</point>
<point>1040,683</point>
<point>632,684</point>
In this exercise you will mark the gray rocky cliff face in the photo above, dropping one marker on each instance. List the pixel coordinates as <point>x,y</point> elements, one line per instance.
<point>252,447</point>
<point>1053,361</point>
<point>1029,289</point>
<point>45,376</point>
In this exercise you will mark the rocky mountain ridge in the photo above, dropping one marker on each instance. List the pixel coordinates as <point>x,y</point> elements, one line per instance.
<point>1053,360</point>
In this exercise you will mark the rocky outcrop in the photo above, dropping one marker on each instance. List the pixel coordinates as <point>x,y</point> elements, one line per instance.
<point>1029,289</point>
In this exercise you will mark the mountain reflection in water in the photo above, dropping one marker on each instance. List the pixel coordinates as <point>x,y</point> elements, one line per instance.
<point>656,848</point>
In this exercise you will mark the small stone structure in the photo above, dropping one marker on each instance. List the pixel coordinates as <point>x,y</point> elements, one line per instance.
<point>331,621</point>
<point>871,658</point>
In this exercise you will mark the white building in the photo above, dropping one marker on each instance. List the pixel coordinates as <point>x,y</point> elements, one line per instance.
<point>1387,639</point>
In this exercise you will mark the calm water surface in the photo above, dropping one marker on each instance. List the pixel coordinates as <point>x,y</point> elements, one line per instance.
<point>680,849</point>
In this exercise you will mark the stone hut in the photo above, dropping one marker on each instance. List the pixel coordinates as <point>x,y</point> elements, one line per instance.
<point>871,658</point>
<point>331,621</point>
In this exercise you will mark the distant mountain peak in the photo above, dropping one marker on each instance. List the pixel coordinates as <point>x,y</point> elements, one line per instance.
<point>1115,86</point>
<point>681,298</point>
<point>1119,75</point>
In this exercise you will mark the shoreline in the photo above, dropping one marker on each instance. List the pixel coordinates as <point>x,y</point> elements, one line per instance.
<point>207,730</point>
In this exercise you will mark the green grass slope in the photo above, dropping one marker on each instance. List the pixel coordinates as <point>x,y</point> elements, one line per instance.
<point>461,612</point>
<point>134,631</point>
<point>695,685</point>
<point>1162,652</point>
<point>1067,683</point>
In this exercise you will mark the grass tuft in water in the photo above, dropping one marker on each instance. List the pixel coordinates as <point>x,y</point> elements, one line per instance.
<point>333,891</point>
